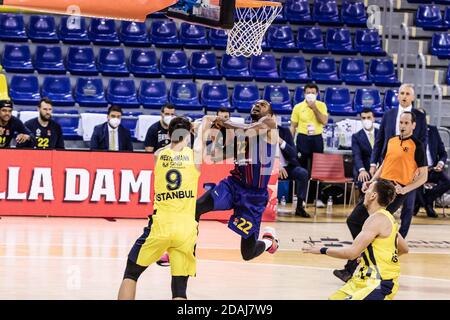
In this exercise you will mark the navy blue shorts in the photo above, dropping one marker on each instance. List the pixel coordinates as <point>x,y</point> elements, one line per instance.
<point>248,204</point>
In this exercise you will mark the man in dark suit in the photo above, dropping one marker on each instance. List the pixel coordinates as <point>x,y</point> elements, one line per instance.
<point>111,135</point>
<point>362,144</point>
<point>437,157</point>
<point>290,168</point>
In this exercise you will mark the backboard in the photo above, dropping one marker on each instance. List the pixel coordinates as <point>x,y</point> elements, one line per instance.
<point>211,13</point>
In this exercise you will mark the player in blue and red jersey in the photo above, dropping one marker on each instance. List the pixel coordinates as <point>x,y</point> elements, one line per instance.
<point>245,190</point>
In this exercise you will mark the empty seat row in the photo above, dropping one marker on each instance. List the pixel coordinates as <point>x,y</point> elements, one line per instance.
<point>337,40</point>
<point>89,92</point>
<point>352,13</point>
<point>430,17</point>
<point>201,65</point>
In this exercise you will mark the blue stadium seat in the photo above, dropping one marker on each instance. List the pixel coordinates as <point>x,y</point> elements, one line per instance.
<point>73,30</point>
<point>326,12</point>
<point>279,97</point>
<point>281,17</point>
<point>298,11</point>
<point>130,124</point>
<point>24,90</point>
<point>354,13</point>
<point>368,42</point>
<point>264,68</point>
<point>81,61</point>
<point>215,96</point>
<point>323,70</point>
<point>339,41</point>
<point>235,68</point>
<point>89,92</point>
<point>122,92</point>
<point>204,65</point>
<point>281,38</point>
<point>194,36</point>
<point>440,45</point>
<point>49,59</point>
<point>59,90</point>
<point>12,27</point>
<point>447,17</point>
<point>163,33</point>
<point>429,17</point>
<point>310,39</point>
<point>339,102</point>
<point>448,75</point>
<point>153,93</point>
<point>184,95</point>
<point>244,96</point>
<point>17,58</point>
<point>174,64</point>
<point>111,62</point>
<point>42,29</point>
<point>294,69</point>
<point>382,72</point>
<point>68,120</point>
<point>218,38</point>
<point>103,32</point>
<point>353,71</point>
<point>390,99</point>
<point>143,63</point>
<point>368,98</point>
<point>134,34</point>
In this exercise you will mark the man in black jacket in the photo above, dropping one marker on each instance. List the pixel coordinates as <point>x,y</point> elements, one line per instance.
<point>11,127</point>
<point>290,168</point>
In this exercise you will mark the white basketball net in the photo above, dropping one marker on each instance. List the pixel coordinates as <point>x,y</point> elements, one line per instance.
<point>245,38</point>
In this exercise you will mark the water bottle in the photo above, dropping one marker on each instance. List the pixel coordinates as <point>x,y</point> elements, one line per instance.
<point>330,205</point>
<point>283,202</point>
<point>294,201</point>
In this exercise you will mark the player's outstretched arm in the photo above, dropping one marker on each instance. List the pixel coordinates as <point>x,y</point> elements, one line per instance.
<point>265,123</point>
<point>402,245</point>
<point>370,230</point>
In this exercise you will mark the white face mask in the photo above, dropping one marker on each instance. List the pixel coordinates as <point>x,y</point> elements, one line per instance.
<point>311,97</point>
<point>167,119</point>
<point>114,122</point>
<point>367,124</point>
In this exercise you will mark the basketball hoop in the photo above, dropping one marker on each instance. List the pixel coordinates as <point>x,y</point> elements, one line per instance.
<point>252,19</point>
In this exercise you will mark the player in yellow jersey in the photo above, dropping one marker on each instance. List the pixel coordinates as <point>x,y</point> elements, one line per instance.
<point>172,228</point>
<point>378,247</point>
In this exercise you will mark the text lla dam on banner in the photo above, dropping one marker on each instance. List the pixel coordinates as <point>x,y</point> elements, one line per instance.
<point>92,184</point>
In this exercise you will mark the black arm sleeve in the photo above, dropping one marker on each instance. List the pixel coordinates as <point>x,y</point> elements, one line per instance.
<point>420,155</point>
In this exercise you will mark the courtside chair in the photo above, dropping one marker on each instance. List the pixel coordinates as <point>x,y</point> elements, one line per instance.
<point>68,120</point>
<point>329,168</point>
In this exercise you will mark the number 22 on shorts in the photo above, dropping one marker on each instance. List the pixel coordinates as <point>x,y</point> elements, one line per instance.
<point>243,225</point>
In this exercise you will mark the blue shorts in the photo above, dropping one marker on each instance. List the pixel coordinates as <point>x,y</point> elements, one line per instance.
<point>248,204</point>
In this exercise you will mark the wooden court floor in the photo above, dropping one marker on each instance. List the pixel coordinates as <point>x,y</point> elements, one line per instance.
<point>70,258</point>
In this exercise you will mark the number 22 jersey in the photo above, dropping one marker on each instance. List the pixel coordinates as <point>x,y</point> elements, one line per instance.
<point>176,183</point>
<point>49,137</point>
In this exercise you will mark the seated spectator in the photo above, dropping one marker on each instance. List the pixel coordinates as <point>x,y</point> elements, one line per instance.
<point>111,135</point>
<point>290,169</point>
<point>362,144</point>
<point>11,127</point>
<point>158,134</point>
<point>48,132</point>
<point>437,157</point>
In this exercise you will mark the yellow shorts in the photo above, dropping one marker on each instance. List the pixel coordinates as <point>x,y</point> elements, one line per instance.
<point>178,238</point>
<point>369,289</point>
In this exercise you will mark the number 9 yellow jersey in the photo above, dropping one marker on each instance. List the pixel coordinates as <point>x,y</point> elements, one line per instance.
<point>176,183</point>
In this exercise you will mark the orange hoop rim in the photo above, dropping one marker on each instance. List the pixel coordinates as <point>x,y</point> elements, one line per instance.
<point>256,4</point>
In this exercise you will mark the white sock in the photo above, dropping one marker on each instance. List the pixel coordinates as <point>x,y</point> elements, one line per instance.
<point>267,242</point>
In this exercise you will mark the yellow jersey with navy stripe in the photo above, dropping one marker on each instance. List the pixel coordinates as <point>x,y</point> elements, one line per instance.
<point>376,277</point>
<point>176,183</point>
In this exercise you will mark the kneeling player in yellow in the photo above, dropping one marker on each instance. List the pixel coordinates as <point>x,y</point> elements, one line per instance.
<point>378,246</point>
<point>172,227</point>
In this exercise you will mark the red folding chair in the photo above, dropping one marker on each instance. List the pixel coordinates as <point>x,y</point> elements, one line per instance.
<point>329,168</point>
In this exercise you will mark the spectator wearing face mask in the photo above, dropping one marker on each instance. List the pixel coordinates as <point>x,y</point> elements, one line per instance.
<point>307,121</point>
<point>111,135</point>
<point>158,134</point>
<point>362,146</point>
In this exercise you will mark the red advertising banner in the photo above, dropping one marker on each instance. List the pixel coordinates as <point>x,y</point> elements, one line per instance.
<point>92,184</point>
